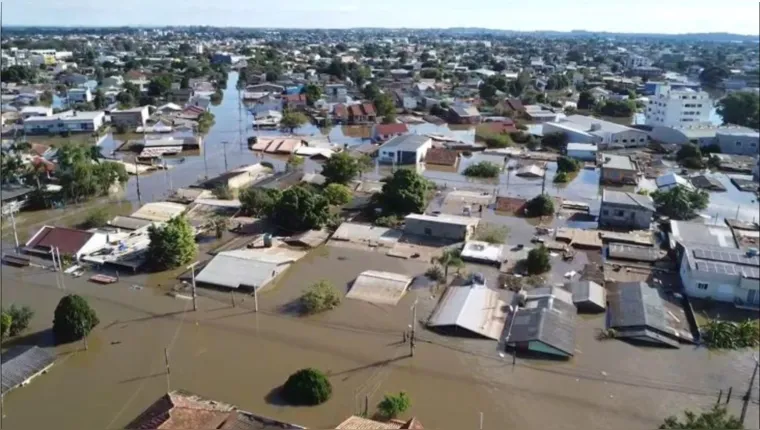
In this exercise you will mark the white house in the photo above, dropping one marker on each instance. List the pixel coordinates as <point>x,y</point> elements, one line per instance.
<point>69,121</point>
<point>675,108</point>
<point>80,95</point>
<point>30,111</point>
<point>582,151</point>
<point>586,129</point>
<point>723,274</point>
<point>405,149</point>
<point>672,180</point>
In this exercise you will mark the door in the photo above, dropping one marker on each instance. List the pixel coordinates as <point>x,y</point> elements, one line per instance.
<point>753,298</point>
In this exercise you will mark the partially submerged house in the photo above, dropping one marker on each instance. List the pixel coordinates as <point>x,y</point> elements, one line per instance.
<point>671,180</point>
<point>443,226</point>
<point>473,309</point>
<point>544,324</point>
<point>385,288</point>
<point>626,210</point>
<point>405,149</point>
<point>442,157</point>
<point>360,423</point>
<point>618,169</point>
<point>636,312</point>
<point>483,252</point>
<point>23,363</point>
<point>247,269</point>
<point>68,241</point>
<point>588,296</point>
<point>722,274</point>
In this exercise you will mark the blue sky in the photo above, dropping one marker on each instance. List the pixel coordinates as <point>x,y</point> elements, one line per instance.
<point>641,16</point>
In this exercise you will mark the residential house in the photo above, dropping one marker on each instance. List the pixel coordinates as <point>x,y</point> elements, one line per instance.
<point>80,95</point>
<point>742,141</point>
<point>23,363</point>
<point>515,105</point>
<point>265,87</point>
<point>67,241</point>
<point>545,324</point>
<point>360,423</point>
<point>447,227</point>
<point>383,132</point>
<point>354,113</point>
<point>405,149</point>
<point>626,210</point>
<point>582,151</point>
<point>600,94</point>
<point>618,169</point>
<point>442,157</point>
<point>201,101</point>
<point>464,114</point>
<point>30,111</point>
<point>130,118</point>
<point>472,310</point>
<point>637,312</point>
<point>722,274</point>
<point>585,129</point>
<point>294,101</point>
<point>671,180</point>
<point>69,121</point>
<point>73,79</point>
<point>112,81</point>
<point>336,93</point>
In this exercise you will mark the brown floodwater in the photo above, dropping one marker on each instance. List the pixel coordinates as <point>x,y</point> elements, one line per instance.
<point>241,357</point>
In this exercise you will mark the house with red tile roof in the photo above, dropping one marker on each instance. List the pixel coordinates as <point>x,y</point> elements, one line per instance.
<point>294,101</point>
<point>383,132</point>
<point>361,113</point>
<point>360,423</point>
<point>69,241</point>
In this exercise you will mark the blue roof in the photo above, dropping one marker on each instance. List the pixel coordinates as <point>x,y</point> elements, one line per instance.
<point>294,90</point>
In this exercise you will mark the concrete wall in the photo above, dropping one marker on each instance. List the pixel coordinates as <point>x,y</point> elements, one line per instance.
<point>440,230</point>
<point>582,155</point>
<point>613,215</point>
<point>738,144</point>
<point>629,138</point>
<point>618,176</point>
<point>720,287</point>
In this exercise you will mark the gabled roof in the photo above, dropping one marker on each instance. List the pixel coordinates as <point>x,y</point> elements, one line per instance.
<point>393,128</point>
<point>441,156</point>
<point>627,199</point>
<point>68,240</point>
<point>364,109</point>
<point>477,309</point>
<point>406,142</point>
<point>21,363</point>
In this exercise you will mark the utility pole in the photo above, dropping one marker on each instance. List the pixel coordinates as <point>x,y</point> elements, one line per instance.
<point>737,212</point>
<point>413,326</point>
<point>240,119</point>
<point>84,338</point>
<point>192,273</point>
<point>543,184</point>
<point>168,370</point>
<point>224,144</point>
<point>748,394</point>
<point>255,299</point>
<point>168,175</point>
<point>137,169</point>
<point>12,211</point>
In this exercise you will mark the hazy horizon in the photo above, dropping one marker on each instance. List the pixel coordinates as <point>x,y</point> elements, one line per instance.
<point>645,16</point>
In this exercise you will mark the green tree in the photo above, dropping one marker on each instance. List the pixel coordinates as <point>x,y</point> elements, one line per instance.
<point>313,93</point>
<point>538,261</point>
<point>616,108</point>
<point>394,405</point>
<point>73,319</point>
<point>97,217</point>
<point>160,85</point>
<point>291,120</point>
<point>337,194</point>
<point>740,108</point>
<point>713,76</point>
<point>20,318</point>
<point>259,202</point>
<point>541,205</point>
<point>561,177</point>
<point>321,296</point>
<point>567,164</point>
<point>5,324</point>
<point>689,155</point>
<point>487,91</point>
<point>557,140</point>
<point>586,100</point>
<point>405,192</point>
<point>46,98</point>
<point>205,122</point>
<point>715,418</point>
<point>223,192</point>
<point>341,168</point>
<point>99,102</point>
<point>449,258</point>
<point>294,162</point>
<point>19,74</point>
<point>384,105</point>
<point>172,244</point>
<point>126,100</point>
<point>483,169</point>
<point>680,203</point>
<point>307,387</point>
<point>300,209</point>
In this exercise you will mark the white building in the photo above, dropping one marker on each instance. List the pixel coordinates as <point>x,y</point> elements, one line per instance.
<point>586,129</point>
<point>30,111</point>
<point>723,274</point>
<point>69,121</point>
<point>80,95</point>
<point>405,149</point>
<point>634,61</point>
<point>582,151</point>
<point>675,108</point>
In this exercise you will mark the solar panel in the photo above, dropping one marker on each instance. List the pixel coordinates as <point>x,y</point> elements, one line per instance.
<point>726,256</point>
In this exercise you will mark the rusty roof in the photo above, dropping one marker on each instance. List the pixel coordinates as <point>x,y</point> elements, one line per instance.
<point>68,240</point>
<point>509,204</point>
<point>394,128</point>
<point>441,157</point>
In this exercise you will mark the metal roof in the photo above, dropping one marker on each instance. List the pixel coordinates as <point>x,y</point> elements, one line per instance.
<point>8,192</point>
<point>249,268</point>
<point>379,287</point>
<point>129,223</point>
<point>636,253</point>
<point>588,292</point>
<point>21,363</point>
<point>482,251</point>
<point>671,178</point>
<point>68,240</point>
<point>406,142</point>
<point>444,219</point>
<point>636,305</point>
<point>549,326</point>
<point>159,211</point>
<point>585,123</point>
<point>622,162</point>
<point>701,235</point>
<point>627,199</point>
<point>581,147</point>
<point>724,261</point>
<point>475,308</point>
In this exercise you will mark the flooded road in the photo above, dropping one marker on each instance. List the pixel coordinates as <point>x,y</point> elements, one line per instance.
<point>238,356</point>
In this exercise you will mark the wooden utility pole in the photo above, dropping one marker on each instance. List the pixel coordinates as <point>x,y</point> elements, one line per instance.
<point>748,394</point>
<point>192,274</point>
<point>224,144</point>
<point>168,370</point>
<point>413,326</point>
<point>84,337</point>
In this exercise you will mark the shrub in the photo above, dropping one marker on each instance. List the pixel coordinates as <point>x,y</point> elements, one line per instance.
<point>729,335</point>
<point>337,194</point>
<point>223,192</point>
<point>541,205</point>
<point>5,324</point>
<point>435,273</point>
<point>538,261</point>
<point>567,164</point>
<point>394,405</point>
<point>561,177</point>
<point>491,233</point>
<point>97,217</point>
<point>483,169</point>
<point>307,387</point>
<point>73,319</point>
<point>493,140</point>
<point>320,297</point>
<point>19,317</point>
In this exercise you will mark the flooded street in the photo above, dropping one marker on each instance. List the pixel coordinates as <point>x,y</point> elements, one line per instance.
<point>235,355</point>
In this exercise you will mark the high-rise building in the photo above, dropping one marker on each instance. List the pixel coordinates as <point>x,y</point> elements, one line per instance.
<point>669,107</point>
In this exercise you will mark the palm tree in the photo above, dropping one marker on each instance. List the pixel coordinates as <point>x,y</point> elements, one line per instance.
<point>449,257</point>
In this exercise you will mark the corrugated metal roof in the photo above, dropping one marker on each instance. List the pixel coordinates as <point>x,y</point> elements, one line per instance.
<point>588,292</point>
<point>622,162</point>
<point>406,142</point>
<point>628,199</point>
<point>159,211</point>
<point>635,253</point>
<point>21,363</point>
<point>636,305</point>
<point>129,223</point>
<point>444,219</point>
<point>474,308</point>
<point>549,326</point>
<point>233,271</point>
<point>379,287</point>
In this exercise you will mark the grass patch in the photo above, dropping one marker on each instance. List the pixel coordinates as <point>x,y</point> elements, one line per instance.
<point>491,233</point>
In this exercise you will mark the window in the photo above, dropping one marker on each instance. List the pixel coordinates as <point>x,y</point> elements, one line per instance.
<point>428,231</point>
<point>738,144</point>
<point>619,213</point>
<point>605,212</point>
<point>753,144</point>
<point>625,140</point>
<point>641,140</point>
<point>701,285</point>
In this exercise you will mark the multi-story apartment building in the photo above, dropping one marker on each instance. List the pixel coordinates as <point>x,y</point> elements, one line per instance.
<point>674,108</point>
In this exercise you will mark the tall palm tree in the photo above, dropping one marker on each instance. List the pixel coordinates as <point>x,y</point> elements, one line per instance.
<point>449,258</point>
